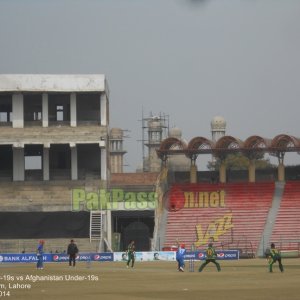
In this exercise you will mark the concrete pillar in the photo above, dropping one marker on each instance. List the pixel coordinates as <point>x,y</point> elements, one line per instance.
<point>108,227</point>
<point>45,117</point>
<point>46,170</point>
<point>18,111</point>
<point>18,164</point>
<point>222,172</point>
<point>281,172</point>
<point>251,171</point>
<point>73,109</point>
<point>103,162</point>
<point>103,110</point>
<point>74,165</point>
<point>193,174</point>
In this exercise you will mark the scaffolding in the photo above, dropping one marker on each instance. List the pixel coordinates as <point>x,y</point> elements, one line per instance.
<point>155,128</point>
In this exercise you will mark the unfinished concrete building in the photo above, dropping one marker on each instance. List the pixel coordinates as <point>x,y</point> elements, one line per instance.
<point>53,127</point>
<point>53,138</point>
<point>116,150</point>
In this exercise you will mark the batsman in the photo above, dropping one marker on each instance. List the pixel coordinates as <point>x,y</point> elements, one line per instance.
<point>180,256</point>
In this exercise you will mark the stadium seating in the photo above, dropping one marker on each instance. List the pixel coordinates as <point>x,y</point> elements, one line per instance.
<point>237,222</point>
<point>286,231</point>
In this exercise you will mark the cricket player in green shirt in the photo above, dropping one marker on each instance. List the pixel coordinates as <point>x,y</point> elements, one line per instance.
<point>130,254</point>
<point>274,256</point>
<point>211,256</point>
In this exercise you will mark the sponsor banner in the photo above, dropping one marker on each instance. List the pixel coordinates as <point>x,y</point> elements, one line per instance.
<point>147,256</point>
<point>165,255</point>
<point>116,256</point>
<point>222,255</point>
<point>48,257</point>
<point>23,258</point>
<point>106,256</point>
<point>120,256</point>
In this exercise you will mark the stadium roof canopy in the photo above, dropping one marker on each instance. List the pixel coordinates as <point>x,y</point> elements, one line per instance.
<point>227,144</point>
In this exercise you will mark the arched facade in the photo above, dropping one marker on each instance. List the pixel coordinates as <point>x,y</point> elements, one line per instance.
<point>197,143</point>
<point>170,145</point>
<point>252,146</point>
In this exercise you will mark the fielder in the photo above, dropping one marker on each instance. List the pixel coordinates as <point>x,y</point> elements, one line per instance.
<point>274,256</point>
<point>130,254</point>
<point>211,256</point>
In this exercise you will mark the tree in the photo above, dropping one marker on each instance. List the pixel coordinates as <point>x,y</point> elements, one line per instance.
<point>239,161</point>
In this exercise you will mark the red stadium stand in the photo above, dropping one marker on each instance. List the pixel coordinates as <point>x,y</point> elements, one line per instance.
<point>234,214</point>
<point>286,231</point>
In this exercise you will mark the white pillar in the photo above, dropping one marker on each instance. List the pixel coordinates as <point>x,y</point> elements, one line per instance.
<point>18,111</point>
<point>73,110</point>
<point>46,171</point>
<point>74,166</point>
<point>103,110</point>
<point>18,164</point>
<point>45,110</point>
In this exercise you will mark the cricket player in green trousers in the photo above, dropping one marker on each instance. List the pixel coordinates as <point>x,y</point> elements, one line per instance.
<point>211,256</point>
<point>273,256</point>
<point>130,254</point>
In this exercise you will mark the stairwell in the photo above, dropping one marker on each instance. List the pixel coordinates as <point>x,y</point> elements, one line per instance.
<point>271,218</point>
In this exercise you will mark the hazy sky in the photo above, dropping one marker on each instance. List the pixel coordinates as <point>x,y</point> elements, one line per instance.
<point>189,59</point>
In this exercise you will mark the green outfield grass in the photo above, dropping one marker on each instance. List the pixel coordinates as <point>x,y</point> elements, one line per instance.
<point>238,280</point>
